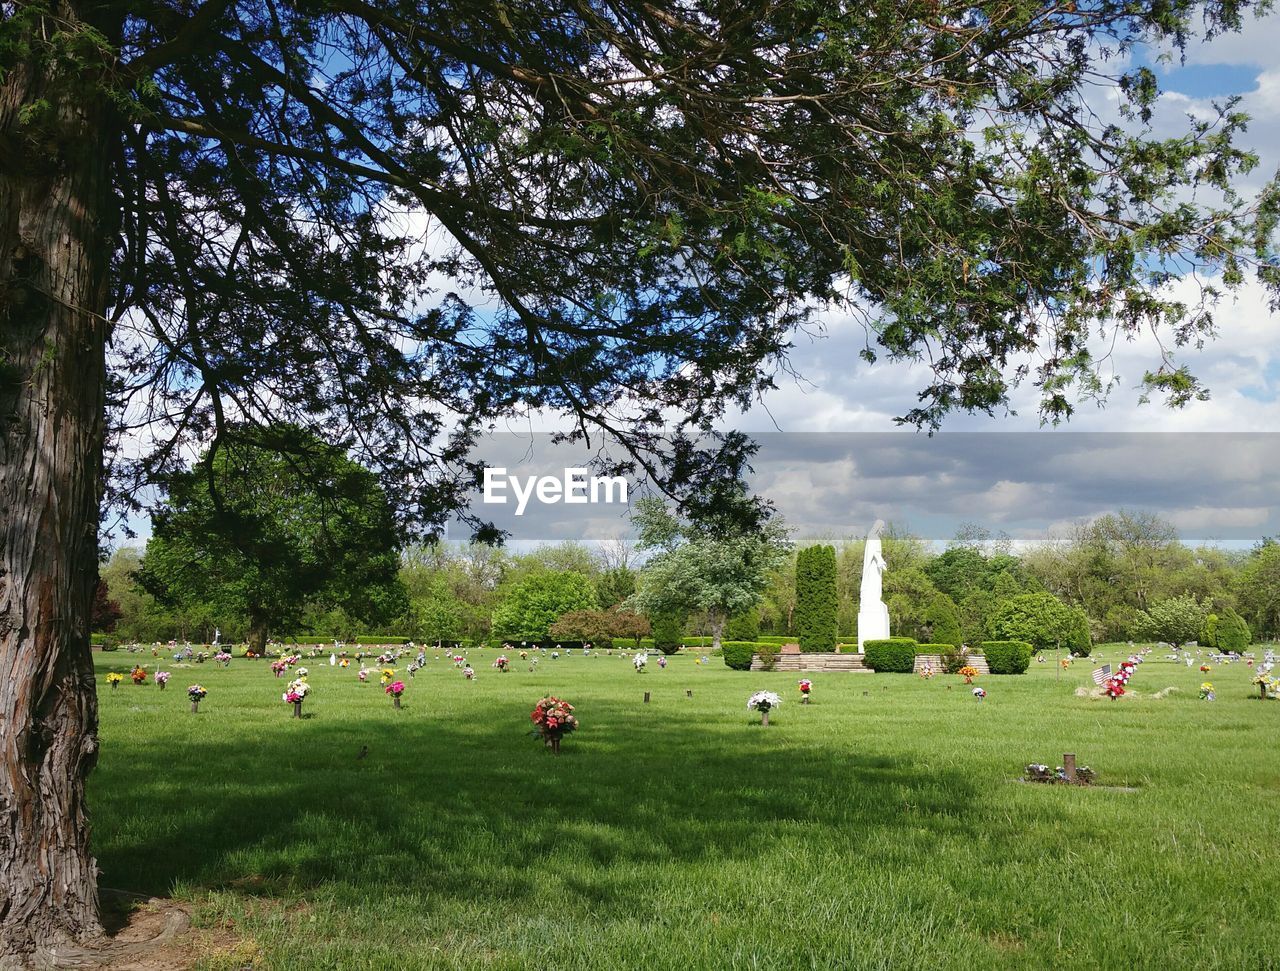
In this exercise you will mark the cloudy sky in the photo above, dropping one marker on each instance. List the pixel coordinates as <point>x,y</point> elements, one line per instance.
<point>833,460</point>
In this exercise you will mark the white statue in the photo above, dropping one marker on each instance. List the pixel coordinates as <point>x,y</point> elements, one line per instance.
<point>873,615</point>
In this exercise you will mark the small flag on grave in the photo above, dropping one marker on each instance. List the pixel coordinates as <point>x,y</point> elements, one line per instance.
<point>1101,674</point>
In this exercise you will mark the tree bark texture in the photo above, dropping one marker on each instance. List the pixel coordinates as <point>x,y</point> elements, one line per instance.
<point>55,218</point>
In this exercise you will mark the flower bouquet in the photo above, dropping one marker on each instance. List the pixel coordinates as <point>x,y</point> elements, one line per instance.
<point>114,678</point>
<point>553,718</point>
<point>1114,688</point>
<point>395,689</point>
<point>138,674</point>
<point>162,678</point>
<point>968,672</point>
<point>469,673</point>
<point>502,664</point>
<point>278,667</point>
<point>926,671</point>
<point>1206,691</point>
<point>1205,669</point>
<point>223,658</point>
<point>364,674</point>
<point>979,693</point>
<point>763,702</point>
<point>806,686</point>
<point>387,676</point>
<point>196,693</point>
<point>1268,687</point>
<point>640,661</point>
<point>296,694</point>
<point>662,662</point>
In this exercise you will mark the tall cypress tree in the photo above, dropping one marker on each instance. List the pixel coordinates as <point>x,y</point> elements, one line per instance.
<point>816,598</point>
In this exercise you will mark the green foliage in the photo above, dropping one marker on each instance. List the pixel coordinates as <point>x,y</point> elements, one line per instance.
<point>1176,620</point>
<point>1233,633</point>
<point>896,656</point>
<point>614,586</point>
<point>250,534</point>
<point>533,604</point>
<point>701,567</point>
<point>768,656</point>
<point>1209,635</point>
<point>738,654</point>
<point>744,626</point>
<point>1007,657</point>
<point>942,621</point>
<point>1043,621</point>
<point>1259,589</point>
<point>668,630</point>
<point>816,598</point>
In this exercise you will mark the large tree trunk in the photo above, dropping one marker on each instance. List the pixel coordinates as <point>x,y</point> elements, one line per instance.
<point>55,197</point>
<point>258,634</point>
<point>717,628</point>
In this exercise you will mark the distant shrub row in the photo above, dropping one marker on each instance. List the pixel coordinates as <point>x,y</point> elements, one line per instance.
<point>898,655</point>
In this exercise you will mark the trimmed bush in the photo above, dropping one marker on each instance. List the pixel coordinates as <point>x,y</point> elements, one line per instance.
<point>1007,657</point>
<point>1233,634</point>
<point>896,656</point>
<point>737,654</point>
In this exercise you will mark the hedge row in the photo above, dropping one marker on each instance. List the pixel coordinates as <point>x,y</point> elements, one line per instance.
<point>1007,657</point>
<point>896,655</point>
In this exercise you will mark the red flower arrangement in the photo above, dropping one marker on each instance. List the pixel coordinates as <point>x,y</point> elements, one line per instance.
<point>553,718</point>
<point>139,674</point>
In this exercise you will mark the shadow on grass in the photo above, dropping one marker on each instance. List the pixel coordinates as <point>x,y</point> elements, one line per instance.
<point>476,807</point>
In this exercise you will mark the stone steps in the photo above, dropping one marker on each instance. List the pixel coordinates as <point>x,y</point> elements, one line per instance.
<point>815,663</point>
<point>935,661</point>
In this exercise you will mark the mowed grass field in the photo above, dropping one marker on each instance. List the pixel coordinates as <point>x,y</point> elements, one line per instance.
<point>882,826</point>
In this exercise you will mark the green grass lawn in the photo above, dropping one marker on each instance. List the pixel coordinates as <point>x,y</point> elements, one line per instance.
<point>880,826</point>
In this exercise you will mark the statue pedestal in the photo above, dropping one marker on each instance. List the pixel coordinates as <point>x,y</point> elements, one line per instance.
<point>873,623</point>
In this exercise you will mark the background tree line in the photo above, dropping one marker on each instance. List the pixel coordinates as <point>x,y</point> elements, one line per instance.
<point>1124,576</point>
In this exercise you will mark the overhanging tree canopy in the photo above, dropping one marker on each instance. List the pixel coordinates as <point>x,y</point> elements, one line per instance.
<point>637,204</point>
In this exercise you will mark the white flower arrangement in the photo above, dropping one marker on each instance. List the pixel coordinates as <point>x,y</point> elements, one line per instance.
<point>763,701</point>
<point>640,660</point>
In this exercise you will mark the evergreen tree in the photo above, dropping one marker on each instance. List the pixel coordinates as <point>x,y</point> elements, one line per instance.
<point>1233,634</point>
<point>816,604</point>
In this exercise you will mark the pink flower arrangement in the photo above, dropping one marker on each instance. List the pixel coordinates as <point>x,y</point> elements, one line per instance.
<point>278,668</point>
<point>395,689</point>
<point>502,664</point>
<point>162,678</point>
<point>553,718</point>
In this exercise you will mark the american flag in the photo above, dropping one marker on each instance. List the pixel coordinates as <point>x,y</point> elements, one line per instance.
<point>1101,674</point>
